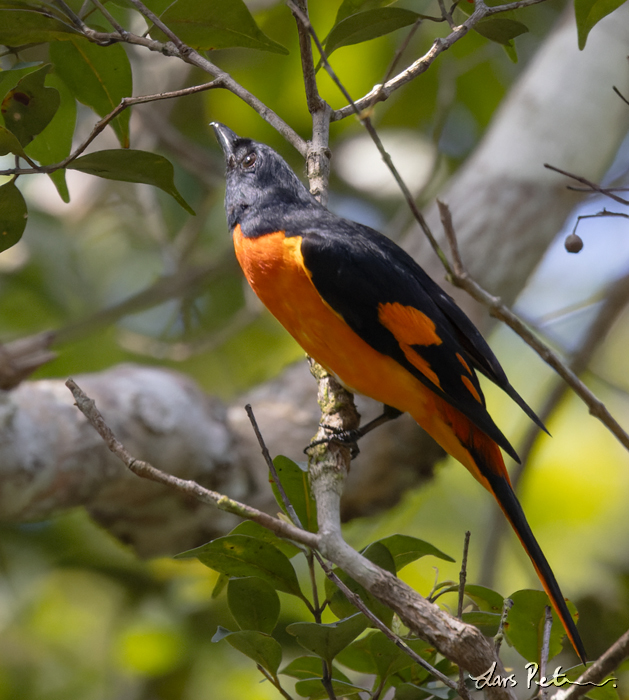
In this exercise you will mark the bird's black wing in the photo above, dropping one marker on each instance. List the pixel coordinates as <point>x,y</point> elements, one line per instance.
<point>390,302</point>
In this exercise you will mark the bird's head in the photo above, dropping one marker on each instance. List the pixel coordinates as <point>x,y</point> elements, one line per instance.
<point>256,175</point>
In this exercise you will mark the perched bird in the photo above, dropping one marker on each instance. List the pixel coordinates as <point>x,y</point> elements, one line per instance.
<point>366,311</point>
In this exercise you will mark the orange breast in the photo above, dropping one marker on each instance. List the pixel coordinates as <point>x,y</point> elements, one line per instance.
<point>274,267</point>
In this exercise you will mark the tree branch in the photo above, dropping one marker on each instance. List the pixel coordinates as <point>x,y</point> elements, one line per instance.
<point>460,642</point>
<point>608,192</point>
<point>100,126</point>
<point>380,93</point>
<point>363,116</point>
<point>498,310</point>
<point>596,673</point>
<point>191,488</point>
<point>615,300</point>
<point>177,48</point>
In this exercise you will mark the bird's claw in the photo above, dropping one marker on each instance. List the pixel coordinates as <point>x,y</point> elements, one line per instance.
<point>344,437</point>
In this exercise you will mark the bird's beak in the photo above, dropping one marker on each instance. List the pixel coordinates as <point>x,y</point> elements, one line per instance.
<point>227,139</point>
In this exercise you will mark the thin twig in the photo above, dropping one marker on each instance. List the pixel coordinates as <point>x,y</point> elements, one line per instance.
<point>402,48</point>
<point>573,188</point>
<point>622,97</point>
<point>615,300</point>
<point>267,458</point>
<point>463,575</point>
<point>184,281</point>
<point>447,16</point>
<point>422,64</point>
<point>598,671</point>
<point>366,121</point>
<point>329,572</point>
<point>398,641</point>
<point>112,20</point>
<point>100,126</point>
<point>146,471</point>
<point>500,311</point>
<point>176,48</point>
<point>500,635</point>
<point>403,599</point>
<point>313,98</point>
<point>70,14</point>
<point>598,215</point>
<point>459,613</point>
<point>592,185</point>
<point>152,17</point>
<point>545,651</point>
<point>274,680</point>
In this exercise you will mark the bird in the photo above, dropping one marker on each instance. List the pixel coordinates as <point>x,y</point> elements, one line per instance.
<point>367,312</point>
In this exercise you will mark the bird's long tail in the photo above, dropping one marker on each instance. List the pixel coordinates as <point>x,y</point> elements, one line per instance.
<point>500,487</point>
<point>483,458</point>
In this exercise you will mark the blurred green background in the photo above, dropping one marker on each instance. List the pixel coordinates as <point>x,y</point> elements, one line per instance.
<point>80,617</point>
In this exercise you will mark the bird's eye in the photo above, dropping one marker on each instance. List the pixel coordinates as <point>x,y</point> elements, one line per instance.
<point>249,160</point>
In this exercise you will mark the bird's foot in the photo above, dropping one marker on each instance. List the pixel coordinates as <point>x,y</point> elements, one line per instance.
<point>348,438</point>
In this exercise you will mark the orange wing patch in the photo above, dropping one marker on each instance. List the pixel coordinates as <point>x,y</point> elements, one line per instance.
<point>411,327</point>
<point>471,388</point>
<point>408,324</point>
<point>464,363</point>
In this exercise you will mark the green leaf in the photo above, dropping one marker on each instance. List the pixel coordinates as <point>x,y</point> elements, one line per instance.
<point>486,599</point>
<point>13,215</point>
<point>351,7</point>
<point>314,690</point>
<point>248,527</point>
<point>221,583</point>
<point>511,52</point>
<point>260,647</point>
<point>434,691</point>
<point>378,553</point>
<point>328,640</point>
<point>29,26</point>
<point>219,24</point>
<point>156,6</point>
<point>371,24</point>
<point>340,605</point>
<point>500,29</point>
<point>254,604</point>
<point>296,485</point>
<point>358,657</point>
<point>10,78</point>
<point>240,556</point>
<point>376,654</point>
<point>220,634</point>
<point>30,106</point>
<point>525,624</point>
<point>590,12</point>
<point>387,657</point>
<point>10,144</point>
<point>406,549</point>
<point>98,76</point>
<point>132,166</point>
<point>74,5</point>
<point>487,622</point>
<point>55,141</point>
<point>409,691</point>
<point>304,667</point>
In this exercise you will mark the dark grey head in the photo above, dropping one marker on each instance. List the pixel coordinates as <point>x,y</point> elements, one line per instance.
<point>259,183</point>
